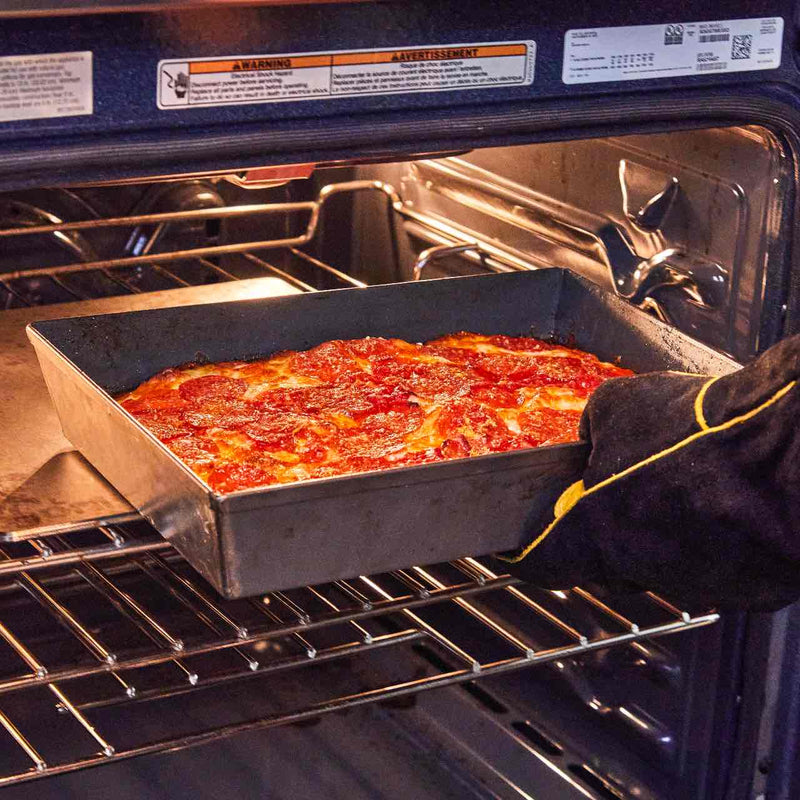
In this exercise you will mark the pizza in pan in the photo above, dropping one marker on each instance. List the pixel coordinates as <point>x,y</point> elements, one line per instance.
<point>366,404</point>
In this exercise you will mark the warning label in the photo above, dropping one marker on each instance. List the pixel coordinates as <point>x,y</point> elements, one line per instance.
<point>46,85</point>
<point>314,76</point>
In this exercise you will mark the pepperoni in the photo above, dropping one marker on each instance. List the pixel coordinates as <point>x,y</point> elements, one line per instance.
<point>428,380</point>
<point>328,361</point>
<point>370,463</point>
<point>154,400</point>
<point>393,422</point>
<point>212,387</point>
<point>354,399</point>
<point>557,371</point>
<point>480,427</point>
<point>414,458</point>
<point>492,367</point>
<point>549,426</point>
<point>277,429</point>
<point>292,433</point>
<point>374,347</point>
<point>497,395</point>
<point>194,450</point>
<point>523,343</point>
<point>457,447</point>
<point>517,369</point>
<point>380,435</point>
<point>218,413</point>
<point>231,477</point>
<point>164,424</point>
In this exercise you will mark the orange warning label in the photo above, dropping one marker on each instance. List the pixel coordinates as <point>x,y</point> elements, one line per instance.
<point>431,54</point>
<point>258,64</point>
<point>317,76</point>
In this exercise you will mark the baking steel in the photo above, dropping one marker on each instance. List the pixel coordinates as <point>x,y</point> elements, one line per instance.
<point>283,536</point>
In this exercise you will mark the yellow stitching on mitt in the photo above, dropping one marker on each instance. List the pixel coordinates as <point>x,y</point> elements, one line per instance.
<point>698,404</point>
<point>572,494</point>
<point>565,502</point>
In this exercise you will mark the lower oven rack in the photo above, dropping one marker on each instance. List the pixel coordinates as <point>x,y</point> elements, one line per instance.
<point>102,617</point>
<point>61,575</point>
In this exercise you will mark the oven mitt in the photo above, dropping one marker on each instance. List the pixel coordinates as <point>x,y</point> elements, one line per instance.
<point>692,490</point>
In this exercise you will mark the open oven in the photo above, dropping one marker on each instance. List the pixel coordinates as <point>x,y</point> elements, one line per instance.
<point>169,154</point>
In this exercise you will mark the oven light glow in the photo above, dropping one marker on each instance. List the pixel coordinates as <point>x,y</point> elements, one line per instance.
<point>559,593</point>
<point>633,718</point>
<point>138,247</point>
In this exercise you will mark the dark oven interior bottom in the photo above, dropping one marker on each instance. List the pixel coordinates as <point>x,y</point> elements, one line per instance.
<point>475,741</point>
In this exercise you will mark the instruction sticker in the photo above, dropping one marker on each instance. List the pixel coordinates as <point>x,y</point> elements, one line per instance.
<point>239,80</point>
<point>46,85</point>
<point>639,52</point>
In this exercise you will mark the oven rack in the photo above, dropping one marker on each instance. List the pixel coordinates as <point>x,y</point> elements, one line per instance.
<point>103,616</point>
<point>183,627</point>
<point>443,234</point>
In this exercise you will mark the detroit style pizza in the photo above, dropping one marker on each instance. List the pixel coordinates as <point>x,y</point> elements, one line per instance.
<point>366,404</point>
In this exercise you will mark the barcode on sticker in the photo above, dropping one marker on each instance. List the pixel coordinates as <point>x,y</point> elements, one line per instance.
<point>712,67</point>
<point>714,37</point>
<point>742,46</point>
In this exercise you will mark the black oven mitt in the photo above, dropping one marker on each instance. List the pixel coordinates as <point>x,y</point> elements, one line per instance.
<point>692,490</point>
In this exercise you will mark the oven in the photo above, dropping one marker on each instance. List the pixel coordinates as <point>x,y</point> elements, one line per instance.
<point>160,154</point>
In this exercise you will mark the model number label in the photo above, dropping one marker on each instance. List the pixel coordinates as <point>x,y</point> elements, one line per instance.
<point>45,85</point>
<point>640,52</point>
<point>239,80</point>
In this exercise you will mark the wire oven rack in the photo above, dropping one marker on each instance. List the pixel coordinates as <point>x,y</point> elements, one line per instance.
<point>446,237</point>
<point>101,616</point>
<point>137,626</point>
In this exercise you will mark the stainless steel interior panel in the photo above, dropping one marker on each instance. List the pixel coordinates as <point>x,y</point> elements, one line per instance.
<point>260,539</point>
<point>686,224</point>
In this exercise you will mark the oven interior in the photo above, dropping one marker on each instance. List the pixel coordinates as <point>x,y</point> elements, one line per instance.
<point>115,652</point>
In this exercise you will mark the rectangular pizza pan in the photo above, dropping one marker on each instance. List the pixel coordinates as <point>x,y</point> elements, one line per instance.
<point>279,537</point>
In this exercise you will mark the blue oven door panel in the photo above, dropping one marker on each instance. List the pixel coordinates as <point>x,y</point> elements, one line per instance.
<point>128,135</point>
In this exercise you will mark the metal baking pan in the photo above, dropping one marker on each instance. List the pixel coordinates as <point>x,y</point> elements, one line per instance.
<point>283,536</point>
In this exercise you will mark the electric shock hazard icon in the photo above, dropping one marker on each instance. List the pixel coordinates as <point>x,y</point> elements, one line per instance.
<point>173,88</point>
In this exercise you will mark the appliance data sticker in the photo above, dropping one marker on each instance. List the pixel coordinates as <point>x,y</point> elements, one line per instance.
<point>639,52</point>
<point>238,80</point>
<point>45,86</point>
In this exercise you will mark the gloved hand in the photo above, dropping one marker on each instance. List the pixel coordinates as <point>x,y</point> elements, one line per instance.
<point>692,490</point>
